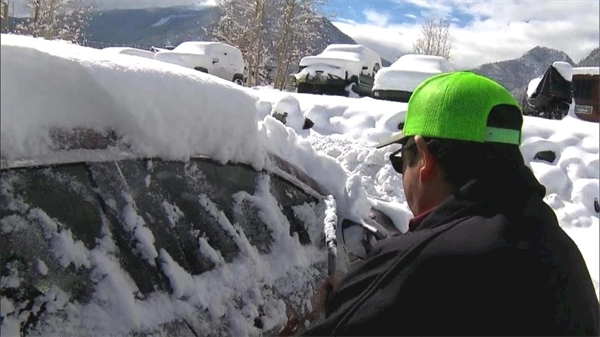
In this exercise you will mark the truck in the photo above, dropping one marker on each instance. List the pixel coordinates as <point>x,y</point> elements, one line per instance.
<point>339,69</point>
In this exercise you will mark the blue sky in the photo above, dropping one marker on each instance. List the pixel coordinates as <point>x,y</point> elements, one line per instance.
<point>481,31</point>
<point>394,12</point>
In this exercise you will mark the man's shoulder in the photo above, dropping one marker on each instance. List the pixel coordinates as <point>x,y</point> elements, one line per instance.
<point>475,234</point>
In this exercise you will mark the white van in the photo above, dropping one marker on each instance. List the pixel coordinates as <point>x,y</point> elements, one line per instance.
<point>131,51</point>
<point>215,58</point>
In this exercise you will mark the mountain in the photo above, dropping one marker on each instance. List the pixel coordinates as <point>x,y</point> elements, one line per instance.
<point>592,60</point>
<point>516,74</point>
<point>144,28</point>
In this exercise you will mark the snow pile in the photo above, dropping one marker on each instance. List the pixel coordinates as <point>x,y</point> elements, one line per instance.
<point>409,71</point>
<point>289,107</point>
<point>157,108</point>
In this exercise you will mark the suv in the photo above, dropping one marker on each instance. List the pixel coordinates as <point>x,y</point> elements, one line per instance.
<point>215,58</point>
<point>337,70</point>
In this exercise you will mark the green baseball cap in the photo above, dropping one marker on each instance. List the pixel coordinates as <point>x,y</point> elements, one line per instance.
<point>456,105</point>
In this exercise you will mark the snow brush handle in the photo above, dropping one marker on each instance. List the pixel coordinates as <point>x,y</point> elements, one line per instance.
<point>330,230</point>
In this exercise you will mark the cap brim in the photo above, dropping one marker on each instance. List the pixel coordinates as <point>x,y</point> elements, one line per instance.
<point>398,138</point>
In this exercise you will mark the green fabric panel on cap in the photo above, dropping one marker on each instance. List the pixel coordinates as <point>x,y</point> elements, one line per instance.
<point>454,105</point>
<point>499,135</point>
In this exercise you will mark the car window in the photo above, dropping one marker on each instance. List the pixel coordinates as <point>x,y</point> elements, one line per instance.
<point>53,217</point>
<point>49,217</point>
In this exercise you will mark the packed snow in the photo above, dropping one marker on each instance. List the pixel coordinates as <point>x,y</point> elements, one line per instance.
<point>168,111</point>
<point>130,51</point>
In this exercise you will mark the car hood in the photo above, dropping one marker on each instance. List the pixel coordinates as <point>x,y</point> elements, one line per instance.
<point>402,79</point>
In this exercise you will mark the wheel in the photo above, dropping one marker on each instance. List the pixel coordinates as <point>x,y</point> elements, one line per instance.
<point>238,79</point>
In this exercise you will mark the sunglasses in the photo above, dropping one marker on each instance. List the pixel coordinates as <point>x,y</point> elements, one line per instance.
<point>397,160</point>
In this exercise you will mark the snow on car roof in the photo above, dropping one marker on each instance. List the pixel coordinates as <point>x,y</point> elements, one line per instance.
<point>199,47</point>
<point>338,55</point>
<point>356,48</point>
<point>157,109</point>
<point>426,63</point>
<point>46,86</point>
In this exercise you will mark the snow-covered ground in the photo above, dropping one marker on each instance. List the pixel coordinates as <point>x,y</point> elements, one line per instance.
<point>172,112</point>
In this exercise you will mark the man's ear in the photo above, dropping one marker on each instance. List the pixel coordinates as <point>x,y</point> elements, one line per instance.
<point>429,166</point>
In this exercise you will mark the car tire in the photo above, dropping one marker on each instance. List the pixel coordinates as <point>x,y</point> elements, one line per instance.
<point>238,79</point>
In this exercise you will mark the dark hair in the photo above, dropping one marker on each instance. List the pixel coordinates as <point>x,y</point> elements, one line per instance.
<point>462,161</point>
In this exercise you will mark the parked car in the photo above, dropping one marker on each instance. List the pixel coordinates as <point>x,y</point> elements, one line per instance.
<point>398,81</point>
<point>121,215</point>
<point>586,93</point>
<point>130,51</point>
<point>215,58</point>
<point>338,69</point>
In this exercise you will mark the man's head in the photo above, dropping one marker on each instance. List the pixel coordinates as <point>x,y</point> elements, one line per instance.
<point>459,126</point>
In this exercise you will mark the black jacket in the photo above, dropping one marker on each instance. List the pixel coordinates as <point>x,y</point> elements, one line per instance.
<point>490,260</point>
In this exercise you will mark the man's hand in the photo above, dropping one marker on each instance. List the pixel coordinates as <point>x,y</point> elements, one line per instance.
<point>319,302</point>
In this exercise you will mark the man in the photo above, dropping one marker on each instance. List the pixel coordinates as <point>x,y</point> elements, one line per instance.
<point>484,254</point>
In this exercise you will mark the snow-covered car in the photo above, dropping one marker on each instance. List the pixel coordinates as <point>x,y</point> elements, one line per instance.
<point>127,210</point>
<point>550,95</point>
<point>398,81</point>
<point>586,93</point>
<point>130,51</point>
<point>215,58</point>
<point>338,69</point>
